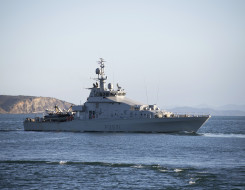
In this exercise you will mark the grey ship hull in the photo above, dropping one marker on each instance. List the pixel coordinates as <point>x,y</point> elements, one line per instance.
<point>158,125</point>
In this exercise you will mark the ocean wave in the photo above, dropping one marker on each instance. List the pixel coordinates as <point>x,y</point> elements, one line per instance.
<point>155,167</point>
<point>188,176</point>
<point>9,130</point>
<point>66,162</point>
<point>33,139</point>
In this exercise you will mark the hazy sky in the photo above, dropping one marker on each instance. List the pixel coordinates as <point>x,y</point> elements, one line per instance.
<point>183,53</point>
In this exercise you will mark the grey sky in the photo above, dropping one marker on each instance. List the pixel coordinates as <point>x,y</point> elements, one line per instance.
<point>183,52</point>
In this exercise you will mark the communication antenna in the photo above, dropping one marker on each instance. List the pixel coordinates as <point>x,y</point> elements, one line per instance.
<point>157,93</point>
<point>146,92</point>
<point>113,79</point>
<point>100,73</point>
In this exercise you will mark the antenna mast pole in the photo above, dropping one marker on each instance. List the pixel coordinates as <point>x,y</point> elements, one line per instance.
<point>101,77</point>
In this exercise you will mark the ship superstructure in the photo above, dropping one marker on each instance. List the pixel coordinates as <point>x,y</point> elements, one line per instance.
<point>108,109</point>
<point>112,103</point>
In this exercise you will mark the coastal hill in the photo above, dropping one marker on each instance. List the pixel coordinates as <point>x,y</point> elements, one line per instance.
<point>29,104</point>
<point>34,104</point>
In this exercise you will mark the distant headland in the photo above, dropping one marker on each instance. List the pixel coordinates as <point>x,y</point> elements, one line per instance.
<point>35,104</point>
<point>29,104</point>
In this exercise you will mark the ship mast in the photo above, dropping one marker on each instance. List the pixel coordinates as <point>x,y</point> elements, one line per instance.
<point>100,73</point>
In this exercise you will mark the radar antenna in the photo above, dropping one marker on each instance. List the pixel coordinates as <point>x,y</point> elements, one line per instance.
<point>100,73</point>
<point>102,65</point>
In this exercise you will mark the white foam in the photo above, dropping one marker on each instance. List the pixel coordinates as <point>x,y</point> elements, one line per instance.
<point>222,135</point>
<point>192,182</point>
<point>163,170</point>
<point>137,166</point>
<point>178,170</point>
<point>62,162</point>
<point>156,166</point>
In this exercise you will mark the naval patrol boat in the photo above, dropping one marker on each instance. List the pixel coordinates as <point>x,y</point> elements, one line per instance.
<point>109,110</point>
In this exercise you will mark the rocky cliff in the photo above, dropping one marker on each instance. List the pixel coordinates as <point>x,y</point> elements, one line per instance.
<point>29,104</point>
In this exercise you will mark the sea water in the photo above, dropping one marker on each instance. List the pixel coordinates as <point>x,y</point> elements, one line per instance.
<point>213,158</point>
